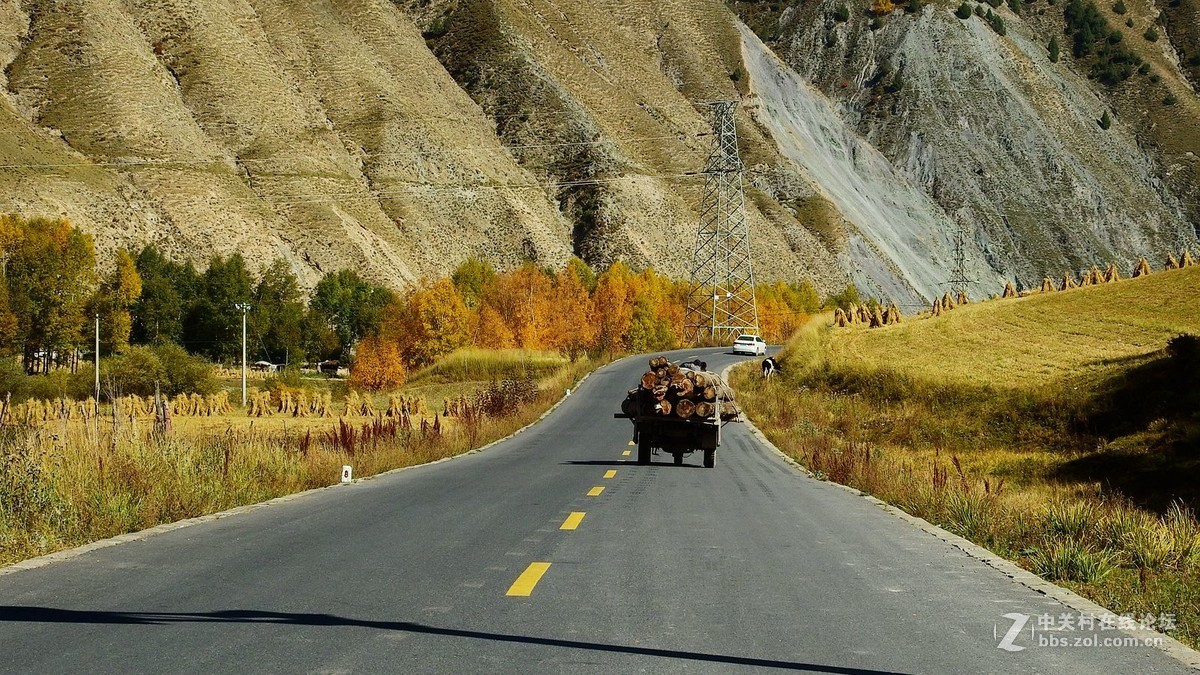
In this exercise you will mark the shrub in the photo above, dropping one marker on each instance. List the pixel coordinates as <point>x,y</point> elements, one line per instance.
<point>1016,6</point>
<point>914,6</point>
<point>1184,348</point>
<point>1105,121</point>
<point>185,373</point>
<point>1129,22</point>
<point>963,12</point>
<point>1120,8</point>
<point>1054,50</point>
<point>841,14</point>
<point>1144,69</point>
<point>1170,99</point>
<point>1151,35</point>
<point>996,23</point>
<point>134,372</point>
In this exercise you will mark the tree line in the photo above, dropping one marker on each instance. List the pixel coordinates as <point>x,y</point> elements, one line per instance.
<point>52,291</point>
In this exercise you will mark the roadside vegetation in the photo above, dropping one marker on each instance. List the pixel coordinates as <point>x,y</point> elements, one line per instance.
<point>1058,430</point>
<point>66,483</point>
<point>444,367</point>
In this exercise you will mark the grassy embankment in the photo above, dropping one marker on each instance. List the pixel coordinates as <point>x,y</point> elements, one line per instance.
<point>66,483</point>
<point>1058,430</point>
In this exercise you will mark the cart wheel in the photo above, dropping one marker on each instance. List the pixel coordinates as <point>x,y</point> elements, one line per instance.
<point>710,458</point>
<point>643,452</point>
<point>679,459</point>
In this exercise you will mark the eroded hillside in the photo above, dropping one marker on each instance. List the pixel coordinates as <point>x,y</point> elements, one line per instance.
<point>400,137</point>
<point>1011,144</point>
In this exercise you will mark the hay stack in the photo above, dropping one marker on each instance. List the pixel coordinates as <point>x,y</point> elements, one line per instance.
<point>864,316</point>
<point>876,317</point>
<point>1111,274</point>
<point>1143,269</point>
<point>937,307</point>
<point>1186,260</point>
<point>839,318</point>
<point>1068,281</point>
<point>1010,291</point>
<point>948,301</point>
<point>1047,285</point>
<point>1172,263</point>
<point>893,314</point>
<point>963,298</point>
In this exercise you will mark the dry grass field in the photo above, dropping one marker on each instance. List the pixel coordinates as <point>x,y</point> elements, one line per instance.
<point>1060,430</point>
<point>67,482</point>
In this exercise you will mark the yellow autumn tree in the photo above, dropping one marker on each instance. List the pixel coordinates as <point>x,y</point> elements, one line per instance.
<point>378,365</point>
<point>616,291</point>
<point>432,322</point>
<point>491,331</point>
<point>522,298</point>
<point>116,297</point>
<point>571,325</point>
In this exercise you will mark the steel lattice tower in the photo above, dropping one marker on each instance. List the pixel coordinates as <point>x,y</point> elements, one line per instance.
<point>721,303</point>
<point>958,278</point>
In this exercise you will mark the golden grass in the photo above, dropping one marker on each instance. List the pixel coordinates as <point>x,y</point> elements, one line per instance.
<point>1041,427</point>
<point>1024,343</point>
<point>63,484</point>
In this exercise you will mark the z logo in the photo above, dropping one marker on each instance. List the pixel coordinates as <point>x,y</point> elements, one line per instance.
<point>1006,643</point>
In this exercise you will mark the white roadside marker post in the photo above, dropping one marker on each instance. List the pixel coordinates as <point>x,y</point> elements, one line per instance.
<point>347,474</point>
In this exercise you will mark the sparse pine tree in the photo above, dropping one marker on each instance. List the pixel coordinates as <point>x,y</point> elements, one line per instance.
<point>1120,8</point>
<point>1151,35</point>
<point>1105,121</point>
<point>1054,52</point>
<point>1016,6</point>
<point>963,12</point>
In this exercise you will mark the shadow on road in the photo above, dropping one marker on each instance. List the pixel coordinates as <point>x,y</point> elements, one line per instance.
<point>18,614</point>
<point>613,462</point>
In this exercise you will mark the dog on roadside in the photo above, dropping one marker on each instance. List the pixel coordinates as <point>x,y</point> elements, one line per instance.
<point>770,367</point>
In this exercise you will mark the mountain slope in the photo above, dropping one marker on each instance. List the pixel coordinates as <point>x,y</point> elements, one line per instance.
<point>398,138</point>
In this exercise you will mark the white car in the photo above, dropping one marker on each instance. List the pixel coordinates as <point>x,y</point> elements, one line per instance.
<point>750,344</point>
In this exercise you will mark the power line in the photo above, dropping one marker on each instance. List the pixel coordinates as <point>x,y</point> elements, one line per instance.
<point>167,164</point>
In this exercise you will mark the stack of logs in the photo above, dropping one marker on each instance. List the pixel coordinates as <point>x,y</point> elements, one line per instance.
<point>667,390</point>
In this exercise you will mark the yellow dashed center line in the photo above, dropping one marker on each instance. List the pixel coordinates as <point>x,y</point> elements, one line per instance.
<point>595,492</point>
<point>625,454</point>
<point>572,521</point>
<point>631,443</point>
<point>611,473</point>
<point>524,584</point>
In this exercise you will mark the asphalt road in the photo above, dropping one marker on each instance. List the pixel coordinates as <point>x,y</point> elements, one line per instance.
<point>746,566</point>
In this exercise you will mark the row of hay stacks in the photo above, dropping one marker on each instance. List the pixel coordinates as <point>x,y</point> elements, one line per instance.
<point>860,315</point>
<point>187,405</point>
<point>259,404</point>
<point>1095,276</point>
<point>948,302</point>
<point>668,390</point>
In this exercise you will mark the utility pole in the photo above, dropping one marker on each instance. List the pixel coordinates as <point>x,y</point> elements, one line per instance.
<point>245,307</point>
<point>958,278</point>
<point>721,303</point>
<point>97,360</point>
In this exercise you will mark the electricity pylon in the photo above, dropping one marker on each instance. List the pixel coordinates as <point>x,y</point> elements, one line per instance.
<point>721,303</point>
<point>958,278</point>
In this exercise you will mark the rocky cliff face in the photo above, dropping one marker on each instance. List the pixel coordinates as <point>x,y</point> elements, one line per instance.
<point>1008,143</point>
<point>398,138</point>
